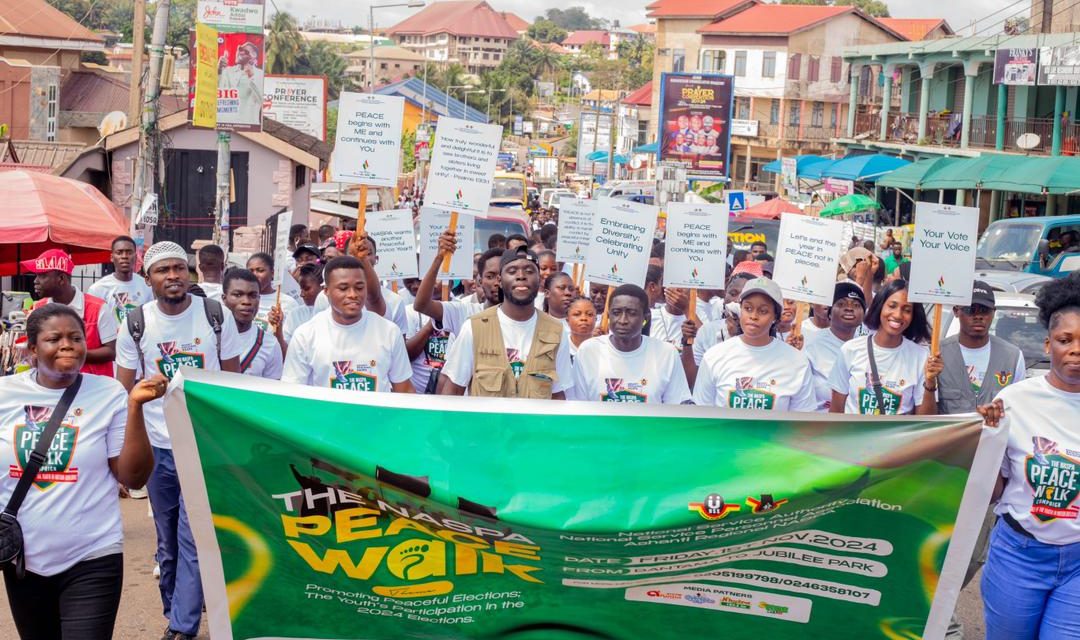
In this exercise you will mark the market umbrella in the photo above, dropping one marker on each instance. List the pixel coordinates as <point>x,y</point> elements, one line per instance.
<point>770,209</point>
<point>854,203</point>
<point>41,211</point>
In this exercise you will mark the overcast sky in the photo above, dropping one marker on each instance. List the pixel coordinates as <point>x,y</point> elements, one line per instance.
<point>959,13</point>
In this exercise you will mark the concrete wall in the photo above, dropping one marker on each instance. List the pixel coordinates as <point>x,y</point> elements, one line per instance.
<point>674,34</point>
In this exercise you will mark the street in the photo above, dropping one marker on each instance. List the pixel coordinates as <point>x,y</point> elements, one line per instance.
<point>140,609</point>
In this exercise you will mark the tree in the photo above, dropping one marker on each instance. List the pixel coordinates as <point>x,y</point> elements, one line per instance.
<point>637,53</point>
<point>876,8</point>
<point>573,19</point>
<point>284,45</point>
<point>321,58</point>
<point>544,30</point>
<point>181,22</point>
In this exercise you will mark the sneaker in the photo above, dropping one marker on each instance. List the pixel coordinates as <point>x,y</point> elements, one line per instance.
<point>157,571</point>
<point>137,494</point>
<point>176,635</point>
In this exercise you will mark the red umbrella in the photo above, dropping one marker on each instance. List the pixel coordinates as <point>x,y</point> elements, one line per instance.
<point>770,209</point>
<point>39,211</point>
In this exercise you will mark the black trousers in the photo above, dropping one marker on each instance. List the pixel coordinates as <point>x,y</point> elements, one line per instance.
<point>78,604</point>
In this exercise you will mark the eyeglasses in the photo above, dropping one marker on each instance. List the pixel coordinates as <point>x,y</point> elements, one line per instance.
<point>976,310</point>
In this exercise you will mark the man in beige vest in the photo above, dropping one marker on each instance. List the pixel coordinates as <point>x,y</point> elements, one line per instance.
<point>512,350</point>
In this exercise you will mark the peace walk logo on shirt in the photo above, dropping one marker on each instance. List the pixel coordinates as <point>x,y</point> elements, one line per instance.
<point>1052,477</point>
<point>358,378</point>
<point>122,305</point>
<point>175,355</point>
<point>868,405</point>
<point>517,363</point>
<point>619,390</point>
<point>748,395</point>
<point>57,466</point>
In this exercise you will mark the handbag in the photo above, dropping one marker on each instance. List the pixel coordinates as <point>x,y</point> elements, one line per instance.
<point>875,380</point>
<point>11,537</point>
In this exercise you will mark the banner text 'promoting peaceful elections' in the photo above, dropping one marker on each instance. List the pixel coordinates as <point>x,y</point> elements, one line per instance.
<point>390,517</point>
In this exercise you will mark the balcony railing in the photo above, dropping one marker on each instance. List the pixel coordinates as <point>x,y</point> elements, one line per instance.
<point>868,124</point>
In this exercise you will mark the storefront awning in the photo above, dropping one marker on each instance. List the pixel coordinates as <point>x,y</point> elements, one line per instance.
<point>913,175</point>
<point>969,173</point>
<point>864,168</point>
<point>1051,175</point>
<point>801,162</point>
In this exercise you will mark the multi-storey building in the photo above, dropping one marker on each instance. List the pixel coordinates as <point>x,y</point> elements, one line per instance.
<point>468,32</point>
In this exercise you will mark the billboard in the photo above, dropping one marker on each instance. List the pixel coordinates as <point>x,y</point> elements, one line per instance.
<point>232,15</point>
<point>1060,66</point>
<point>695,122</point>
<point>239,61</point>
<point>1016,66</point>
<point>298,102</point>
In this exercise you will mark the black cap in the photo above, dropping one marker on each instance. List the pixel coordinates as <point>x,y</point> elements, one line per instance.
<point>981,293</point>
<point>848,290</point>
<point>310,248</point>
<point>520,253</point>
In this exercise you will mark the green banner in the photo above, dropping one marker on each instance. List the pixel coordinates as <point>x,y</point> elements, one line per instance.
<point>322,514</point>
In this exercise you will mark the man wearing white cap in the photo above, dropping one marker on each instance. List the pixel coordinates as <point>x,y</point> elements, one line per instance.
<point>175,329</point>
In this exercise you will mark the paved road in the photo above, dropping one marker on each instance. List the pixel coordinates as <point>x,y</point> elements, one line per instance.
<point>140,609</point>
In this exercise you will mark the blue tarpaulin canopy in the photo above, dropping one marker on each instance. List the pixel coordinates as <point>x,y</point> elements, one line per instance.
<point>602,156</point>
<point>864,168</point>
<point>800,163</point>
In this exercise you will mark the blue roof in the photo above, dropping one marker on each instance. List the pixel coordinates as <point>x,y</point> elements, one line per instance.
<point>412,89</point>
<point>800,162</point>
<point>652,147</point>
<point>864,168</point>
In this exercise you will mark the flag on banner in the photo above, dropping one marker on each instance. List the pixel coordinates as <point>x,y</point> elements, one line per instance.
<point>405,518</point>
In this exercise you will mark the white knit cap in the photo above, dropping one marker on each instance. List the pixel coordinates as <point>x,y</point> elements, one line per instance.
<point>163,251</point>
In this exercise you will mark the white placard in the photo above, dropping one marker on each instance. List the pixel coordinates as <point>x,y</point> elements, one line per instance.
<point>789,170</point>
<point>463,166</point>
<point>807,255</point>
<point>696,245</point>
<point>432,224</point>
<point>368,147</point>
<point>296,101</point>
<point>395,242</point>
<point>575,229</point>
<point>621,241</point>
<point>943,254</point>
<point>281,246</point>
<point>148,211</point>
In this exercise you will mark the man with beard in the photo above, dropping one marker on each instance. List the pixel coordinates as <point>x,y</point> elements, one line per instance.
<point>512,350</point>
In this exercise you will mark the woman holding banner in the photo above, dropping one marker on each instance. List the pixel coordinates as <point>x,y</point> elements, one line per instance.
<point>891,368</point>
<point>1031,581</point>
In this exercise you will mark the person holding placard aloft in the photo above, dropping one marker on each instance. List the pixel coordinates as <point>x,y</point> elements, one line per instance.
<point>890,372</point>
<point>756,370</point>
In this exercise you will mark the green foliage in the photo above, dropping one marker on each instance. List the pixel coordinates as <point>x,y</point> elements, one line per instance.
<point>331,125</point>
<point>876,8</point>
<point>574,19</point>
<point>283,43</point>
<point>321,58</point>
<point>181,22</point>
<point>408,150</point>
<point>544,30</point>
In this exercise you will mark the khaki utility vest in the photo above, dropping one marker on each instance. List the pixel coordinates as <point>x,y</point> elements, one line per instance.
<point>492,375</point>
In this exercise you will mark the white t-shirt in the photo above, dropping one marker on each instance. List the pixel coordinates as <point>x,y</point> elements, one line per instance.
<point>667,327</point>
<point>73,510</point>
<point>213,291</point>
<point>809,329</point>
<point>267,361</point>
<point>267,302</point>
<point>775,377</point>
<point>651,373</point>
<point>977,361</point>
<point>1042,460</point>
<point>122,296</point>
<point>107,325</point>
<point>708,336</point>
<point>707,311</point>
<point>368,355</point>
<point>435,349</point>
<point>518,337</point>
<point>395,308</point>
<point>822,349</point>
<point>171,342</point>
<point>902,371</point>
<point>456,313</point>
<point>296,318</point>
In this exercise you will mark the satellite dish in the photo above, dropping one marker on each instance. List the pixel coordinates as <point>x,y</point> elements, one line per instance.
<point>113,122</point>
<point>636,162</point>
<point>1028,141</point>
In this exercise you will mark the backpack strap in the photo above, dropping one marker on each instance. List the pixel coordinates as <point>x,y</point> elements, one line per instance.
<point>216,317</point>
<point>246,363</point>
<point>875,380</point>
<point>136,324</point>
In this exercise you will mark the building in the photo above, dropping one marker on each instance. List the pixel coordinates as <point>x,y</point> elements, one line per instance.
<point>638,107</point>
<point>1048,16</point>
<point>646,30</point>
<point>425,103</point>
<point>468,32</point>
<point>391,64</point>
<point>915,29</point>
<point>577,40</point>
<point>516,22</point>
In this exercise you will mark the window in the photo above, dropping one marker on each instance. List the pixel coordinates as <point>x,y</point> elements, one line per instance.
<point>794,113</point>
<point>835,116</point>
<point>768,64</point>
<point>487,56</point>
<point>817,115</point>
<point>740,64</point>
<point>742,108</point>
<point>794,65</point>
<point>50,123</point>
<point>642,132</point>
<point>678,60</point>
<point>836,71</point>
<point>774,111</point>
<point>813,69</point>
<point>712,60</point>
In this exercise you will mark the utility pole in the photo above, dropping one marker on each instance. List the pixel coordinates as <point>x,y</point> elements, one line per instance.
<point>150,111</point>
<point>224,191</point>
<point>138,44</point>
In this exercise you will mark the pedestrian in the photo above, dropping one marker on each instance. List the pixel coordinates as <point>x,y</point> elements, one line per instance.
<point>894,258</point>
<point>1032,575</point>
<point>211,267</point>
<point>52,283</point>
<point>427,344</point>
<point>380,300</point>
<point>173,330</point>
<point>71,528</point>
<point>302,255</point>
<point>581,321</point>
<point>906,374</point>
<point>667,321</point>
<point>262,355</point>
<point>262,265</point>
<point>626,366</point>
<point>756,370</point>
<point>512,350</point>
<point>452,315</point>
<point>817,320</point>
<point>823,348</point>
<point>343,347</point>
<point>310,279</point>
<point>121,289</point>
<point>560,292</point>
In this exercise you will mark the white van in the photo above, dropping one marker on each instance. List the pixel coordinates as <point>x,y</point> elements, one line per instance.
<point>625,188</point>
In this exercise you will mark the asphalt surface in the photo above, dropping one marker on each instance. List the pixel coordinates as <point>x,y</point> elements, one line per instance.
<point>140,607</point>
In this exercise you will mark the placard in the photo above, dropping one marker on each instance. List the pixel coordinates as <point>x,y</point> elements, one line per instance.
<point>943,254</point>
<point>463,166</point>
<point>621,242</point>
<point>395,241</point>
<point>433,222</point>
<point>576,218</point>
<point>281,246</point>
<point>807,255</point>
<point>368,147</point>
<point>298,102</point>
<point>696,245</point>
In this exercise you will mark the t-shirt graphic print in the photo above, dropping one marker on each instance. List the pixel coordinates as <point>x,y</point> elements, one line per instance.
<point>175,355</point>
<point>57,466</point>
<point>361,377</point>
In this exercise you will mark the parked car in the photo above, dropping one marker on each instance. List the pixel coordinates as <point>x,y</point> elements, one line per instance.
<point>617,188</point>
<point>1045,245</point>
<point>1016,322</point>
<point>1012,281</point>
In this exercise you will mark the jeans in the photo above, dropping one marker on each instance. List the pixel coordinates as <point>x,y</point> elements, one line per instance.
<point>1030,589</point>
<point>181,590</point>
<point>955,630</point>
<point>77,604</point>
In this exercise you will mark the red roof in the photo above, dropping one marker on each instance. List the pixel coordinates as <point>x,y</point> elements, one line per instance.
<point>693,8</point>
<point>457,17</point>
<point>516,22</point>
<point>642,96</point>
<point>775,19</point>
<point>582,38</point>
<point>37,18</point>
<point>916,28</point>
<point>643,28</point>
